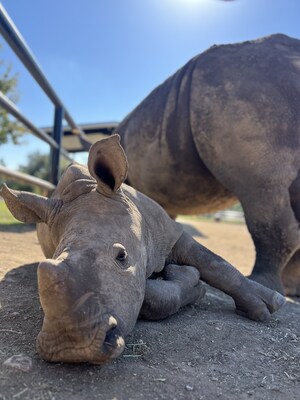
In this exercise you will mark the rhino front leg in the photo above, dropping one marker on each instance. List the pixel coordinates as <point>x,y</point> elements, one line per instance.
<point>179,287</point>
<point>251,299</point>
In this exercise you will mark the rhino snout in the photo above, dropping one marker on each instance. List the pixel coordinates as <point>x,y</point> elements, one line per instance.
<point>76,328</point>
<point>60,342</point>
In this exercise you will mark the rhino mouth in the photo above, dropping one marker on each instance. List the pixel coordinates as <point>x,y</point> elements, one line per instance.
<point>58,342</point>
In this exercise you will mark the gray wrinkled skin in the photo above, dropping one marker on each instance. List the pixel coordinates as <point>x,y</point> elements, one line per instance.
<point>102,240</point>
<point>226,126</point>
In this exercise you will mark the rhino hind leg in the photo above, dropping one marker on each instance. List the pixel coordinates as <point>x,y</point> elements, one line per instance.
<point>179,287</point>
<point>291,276</point>
<point>291,273</point>
<point>274,228</point>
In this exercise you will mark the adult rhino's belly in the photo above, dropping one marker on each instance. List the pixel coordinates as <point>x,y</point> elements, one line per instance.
<point>171,172</point>
<point>184,193</point>
<point>206,197</point>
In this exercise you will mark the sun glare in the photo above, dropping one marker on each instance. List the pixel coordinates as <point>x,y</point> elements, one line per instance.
<point>187,15</point>
<point>191,8</point>
<point>191,4</point>
<point>202,2</point>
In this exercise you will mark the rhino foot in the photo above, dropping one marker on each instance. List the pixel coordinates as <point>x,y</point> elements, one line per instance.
<point>187,278</point>
<point>291,285</point>
<point>179,287</point>
<point>257,302</point>
<point>288,285</point>
<point>269,280</point>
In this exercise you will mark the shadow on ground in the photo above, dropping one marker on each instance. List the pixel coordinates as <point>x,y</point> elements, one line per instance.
<point>205,351</point>
<point>192,230</point>
<point>17,228</point>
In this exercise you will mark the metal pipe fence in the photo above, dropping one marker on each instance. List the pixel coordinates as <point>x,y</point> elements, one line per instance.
<point>27,179</point>
<point>15,40</point>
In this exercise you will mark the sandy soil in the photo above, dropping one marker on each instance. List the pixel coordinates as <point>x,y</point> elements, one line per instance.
<point>205,351</point>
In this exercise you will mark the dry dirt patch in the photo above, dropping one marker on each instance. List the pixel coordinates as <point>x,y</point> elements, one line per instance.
<point>205,351</point>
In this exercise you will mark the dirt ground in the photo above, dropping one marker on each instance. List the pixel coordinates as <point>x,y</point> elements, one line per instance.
<point>205,351</point>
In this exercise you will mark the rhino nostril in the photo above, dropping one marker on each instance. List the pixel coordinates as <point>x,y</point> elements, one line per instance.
<point>113,343</point>
<point>111,336</point>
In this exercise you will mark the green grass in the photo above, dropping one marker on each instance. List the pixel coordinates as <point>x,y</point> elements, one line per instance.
<point>5,216</point>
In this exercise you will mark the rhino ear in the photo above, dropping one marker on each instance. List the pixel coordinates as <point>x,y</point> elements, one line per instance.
<point>26,207</point>
<point>107,163</point>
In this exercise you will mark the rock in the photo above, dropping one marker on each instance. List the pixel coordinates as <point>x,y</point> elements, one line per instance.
<point>189,388</point>
<point>19,361</point>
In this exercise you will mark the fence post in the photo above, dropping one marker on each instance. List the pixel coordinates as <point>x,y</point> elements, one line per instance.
<point>55,153</point>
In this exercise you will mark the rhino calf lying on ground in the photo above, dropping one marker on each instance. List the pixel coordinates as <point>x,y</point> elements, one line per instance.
<point>103,239</point>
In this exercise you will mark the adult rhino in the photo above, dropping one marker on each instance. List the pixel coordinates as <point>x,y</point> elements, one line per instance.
<point>226,126</point>
<point>103,239</point>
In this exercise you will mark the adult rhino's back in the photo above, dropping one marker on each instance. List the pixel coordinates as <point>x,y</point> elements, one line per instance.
<point>245,107</point>
<point>220,115</point>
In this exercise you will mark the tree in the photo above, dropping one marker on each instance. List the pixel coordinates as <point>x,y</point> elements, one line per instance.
<point>37,165</point>
<point>8,86</point>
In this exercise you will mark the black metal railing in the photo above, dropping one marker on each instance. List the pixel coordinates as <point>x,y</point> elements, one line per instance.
<point>14,39</point>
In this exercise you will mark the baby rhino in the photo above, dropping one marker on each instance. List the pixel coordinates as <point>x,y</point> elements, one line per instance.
<point>103,240</point>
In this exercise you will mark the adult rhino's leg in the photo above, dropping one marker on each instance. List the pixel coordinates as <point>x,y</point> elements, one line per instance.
<point>291,273</point>
<point>275,233</point>
<point>251,299</point>
<point>180,286</point>
<point>291,276</point>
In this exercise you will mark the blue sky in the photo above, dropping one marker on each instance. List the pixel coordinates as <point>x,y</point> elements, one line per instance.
<point>104,56</point>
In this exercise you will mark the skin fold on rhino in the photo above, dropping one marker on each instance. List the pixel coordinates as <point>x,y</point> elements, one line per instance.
<point>103,240</point>
<point>226,126</point>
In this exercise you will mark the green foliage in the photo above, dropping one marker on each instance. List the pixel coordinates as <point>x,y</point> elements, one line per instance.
<point>5,216</point>
<point>9,129</point>
<point>37,165</point>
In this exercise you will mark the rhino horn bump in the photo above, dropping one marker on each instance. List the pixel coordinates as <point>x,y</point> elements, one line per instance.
<point>51,277</point>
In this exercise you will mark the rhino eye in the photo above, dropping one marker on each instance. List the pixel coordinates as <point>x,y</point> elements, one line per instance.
<point>122,255</point>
